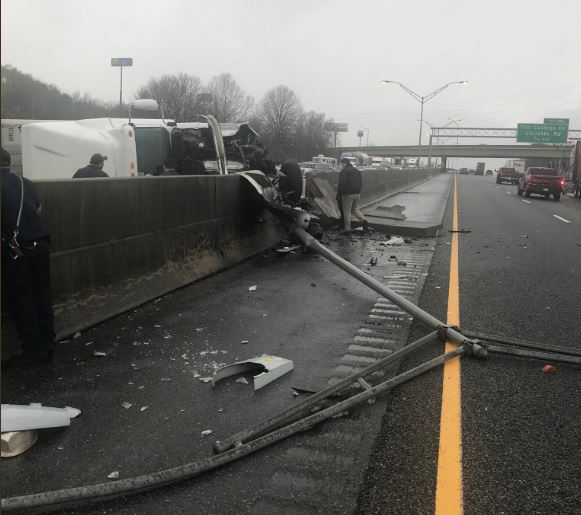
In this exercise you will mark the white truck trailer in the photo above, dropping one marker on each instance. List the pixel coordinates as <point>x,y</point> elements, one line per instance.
<point>44,149</point>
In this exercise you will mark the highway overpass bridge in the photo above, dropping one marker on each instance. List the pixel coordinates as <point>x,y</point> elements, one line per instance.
<point>514,151</point>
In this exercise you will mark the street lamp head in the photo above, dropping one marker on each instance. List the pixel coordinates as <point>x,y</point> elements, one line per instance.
<point>463,82</point>
<point>384,81</point>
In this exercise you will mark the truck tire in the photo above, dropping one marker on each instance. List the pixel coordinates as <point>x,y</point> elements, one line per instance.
<point>557,196</point>
<point>518,190</point>
<point>527,192</point>
<point>547,196</point>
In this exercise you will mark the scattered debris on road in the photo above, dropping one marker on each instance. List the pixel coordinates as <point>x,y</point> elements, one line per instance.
<point>100,354</point>
<point>113,475</point>
<point>266,368</point>
<point>207,432</point>
<point>126,405</point>
<point>549,369</point>
<point>252,288</point>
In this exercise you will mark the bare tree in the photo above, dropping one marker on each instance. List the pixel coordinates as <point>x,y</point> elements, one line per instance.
<point>178,94</point>
<point>311,138</point>
<point>279,112</point>
<point>229,101</point>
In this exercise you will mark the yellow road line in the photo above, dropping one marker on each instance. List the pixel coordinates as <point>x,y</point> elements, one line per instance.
<point>449,479</point>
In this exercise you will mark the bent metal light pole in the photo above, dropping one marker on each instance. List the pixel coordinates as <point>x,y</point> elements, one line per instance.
<point>422,100</point>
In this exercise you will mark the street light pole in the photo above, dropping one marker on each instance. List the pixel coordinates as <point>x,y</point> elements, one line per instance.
<point>422,99</point>
<point>363,127</point>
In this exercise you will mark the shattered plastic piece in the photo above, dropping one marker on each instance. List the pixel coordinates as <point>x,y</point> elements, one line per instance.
<point>394,240</point>
<point>126,405</point>
<point>205,379</point>
<point>242,380</point>
<point>143,408</point>
<point>113,475</point>
<point>100,354</point>
<point>17,442</point>
<point>244,342</point>
<point>166,379</point>
<point>77,335</point>
<point>207,432</point>
<point>269,368</point>
<point>220,410</point>
<point>17,417</point>
<point>549,369</point>
<point>140,387</point>
<point>252,288</point>
<point>199,329</point>
<point>156,325</point>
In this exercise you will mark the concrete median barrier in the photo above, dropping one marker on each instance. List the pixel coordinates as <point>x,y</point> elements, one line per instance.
<point>117,243</point>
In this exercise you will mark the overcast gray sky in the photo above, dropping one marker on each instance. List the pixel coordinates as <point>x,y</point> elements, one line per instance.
<point>522,57</point>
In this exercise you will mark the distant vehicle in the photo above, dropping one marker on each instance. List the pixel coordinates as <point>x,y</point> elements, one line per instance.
<point>505,174</point>
<point>480,168</point>
<point>463,171</point>
<point>576,169</point>
<point>471,171</point>
<point>377,162</point>
<point>541,181</point>
<point>489,172</point>
<point>357,158</point>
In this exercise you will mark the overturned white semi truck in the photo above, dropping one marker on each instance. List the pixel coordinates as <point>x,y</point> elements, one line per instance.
<point>50,149</point>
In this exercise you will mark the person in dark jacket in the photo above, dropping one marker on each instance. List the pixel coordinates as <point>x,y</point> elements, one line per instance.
<point>93,169</point>
<point>349,190</point>
<point>169,168</point>
<point>25,268</point>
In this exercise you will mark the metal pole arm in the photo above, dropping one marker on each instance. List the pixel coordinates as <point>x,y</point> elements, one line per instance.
<point>439,90</point>
<point>419,98</point>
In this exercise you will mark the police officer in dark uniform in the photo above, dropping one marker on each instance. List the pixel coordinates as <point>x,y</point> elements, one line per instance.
<point>25,267</point>
<point>93,169</point>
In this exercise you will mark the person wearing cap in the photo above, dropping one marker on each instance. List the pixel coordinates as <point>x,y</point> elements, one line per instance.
<point>93,169</point>
<point>26,268</point>
<point>169,168</point>
<point>349,190</point>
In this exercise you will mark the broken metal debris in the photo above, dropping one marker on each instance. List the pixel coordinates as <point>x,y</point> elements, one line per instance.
<point>207,432</point>
<point>126,405</point>
<point>17,442</point>
<point>244,342</point>
<point>17,417</point>
<point>267,369</point>
<point>100,354</point>
<point>205,379</point>
<point>143,408</point>
<point>394,240</point>
<point>242,380</point>
<point>77,335</point>
<point>113,475</point>
<point>252,288</point>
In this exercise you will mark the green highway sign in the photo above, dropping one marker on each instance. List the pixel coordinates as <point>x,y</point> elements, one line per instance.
<point>557,121</point>
<point>542,132</point>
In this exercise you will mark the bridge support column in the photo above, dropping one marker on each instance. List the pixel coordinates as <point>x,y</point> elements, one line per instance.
<point>430,153</point>
<point>444,163</point>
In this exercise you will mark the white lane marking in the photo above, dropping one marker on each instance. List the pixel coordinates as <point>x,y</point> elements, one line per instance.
<point>562,219</point>
<point>526,201</point>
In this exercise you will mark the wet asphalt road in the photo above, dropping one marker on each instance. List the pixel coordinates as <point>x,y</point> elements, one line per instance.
<point>521,428</point>
<point>520,275</point>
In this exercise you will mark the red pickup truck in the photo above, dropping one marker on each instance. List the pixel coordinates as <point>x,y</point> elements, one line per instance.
<point>542,181</point>
<point>506,175</point>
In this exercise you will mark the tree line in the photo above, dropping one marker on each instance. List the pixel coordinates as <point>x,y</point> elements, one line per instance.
<point>286,128</point>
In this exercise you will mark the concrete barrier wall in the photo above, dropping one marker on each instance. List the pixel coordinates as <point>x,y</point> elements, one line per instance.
<point>119,242</point>
<point>377,184</point>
